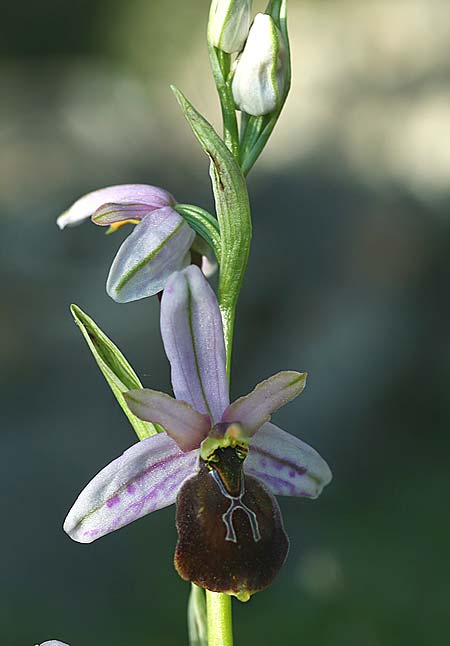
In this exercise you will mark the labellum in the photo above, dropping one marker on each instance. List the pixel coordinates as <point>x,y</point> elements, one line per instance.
<point>230,531</point>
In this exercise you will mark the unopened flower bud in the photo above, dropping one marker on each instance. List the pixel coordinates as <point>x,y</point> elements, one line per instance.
<point>229,22</point>
<point>260,74</point>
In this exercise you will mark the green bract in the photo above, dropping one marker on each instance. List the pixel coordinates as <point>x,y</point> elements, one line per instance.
<point>115,368</point>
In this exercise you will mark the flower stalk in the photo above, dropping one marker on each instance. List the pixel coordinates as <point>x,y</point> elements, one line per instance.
<point>221,66</point>
<point>220,624</point>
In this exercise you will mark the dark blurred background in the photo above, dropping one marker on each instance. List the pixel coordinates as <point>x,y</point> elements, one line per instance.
<point>348,279</point>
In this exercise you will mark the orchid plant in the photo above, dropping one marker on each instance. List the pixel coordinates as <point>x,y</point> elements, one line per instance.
<point>221,463</point>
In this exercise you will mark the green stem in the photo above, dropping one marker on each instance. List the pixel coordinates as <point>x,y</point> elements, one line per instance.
<point>220,65</point>
<point>220,625</point>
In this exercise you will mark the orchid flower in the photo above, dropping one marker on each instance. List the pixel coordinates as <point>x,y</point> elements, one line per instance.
<point>158,246</point>
<point>53,642</point>
<point>220,462</point>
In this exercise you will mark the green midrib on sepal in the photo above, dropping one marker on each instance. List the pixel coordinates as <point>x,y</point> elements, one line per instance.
<point>142,263</point>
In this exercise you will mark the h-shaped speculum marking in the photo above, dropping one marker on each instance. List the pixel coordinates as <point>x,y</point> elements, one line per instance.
<point>236,503</point>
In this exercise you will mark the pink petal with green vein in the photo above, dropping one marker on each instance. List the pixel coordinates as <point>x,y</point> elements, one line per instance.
<point>285,464</point>
<point>191,328</point>
<point>156,248</point>
<point>145,478</point>
<point>255,409</point>
<point>152,196</point>
<point>183,424</point>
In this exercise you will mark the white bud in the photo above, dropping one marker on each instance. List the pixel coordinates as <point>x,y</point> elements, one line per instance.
<point>260,72</point>
<point>229,22</point>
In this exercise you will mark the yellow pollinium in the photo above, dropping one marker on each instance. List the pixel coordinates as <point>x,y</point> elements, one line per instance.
<point>223,436</point>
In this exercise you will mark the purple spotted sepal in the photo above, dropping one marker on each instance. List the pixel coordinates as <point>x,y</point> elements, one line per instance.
<point>285,464</point>
<point>147,477</point>
<point>230,530</point>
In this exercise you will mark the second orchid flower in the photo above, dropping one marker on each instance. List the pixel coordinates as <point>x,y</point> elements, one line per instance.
<point>158,246</point>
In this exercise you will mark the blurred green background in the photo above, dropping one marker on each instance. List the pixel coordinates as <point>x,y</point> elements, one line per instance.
<point>348,279</point>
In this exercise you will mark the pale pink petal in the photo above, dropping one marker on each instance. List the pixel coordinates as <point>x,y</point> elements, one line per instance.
<point>152,196</point>
<point>183,424</point>
<point>285,464</point>
<point>255,409</point>
<point>112,213</point>
<point>145,478</point>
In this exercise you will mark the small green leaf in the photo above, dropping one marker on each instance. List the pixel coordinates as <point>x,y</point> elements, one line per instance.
<point>233,213</point>
<point>115,368</point>
<point>204,224</point>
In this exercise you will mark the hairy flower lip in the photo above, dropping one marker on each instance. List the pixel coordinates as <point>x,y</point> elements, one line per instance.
<point>149,475</point>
